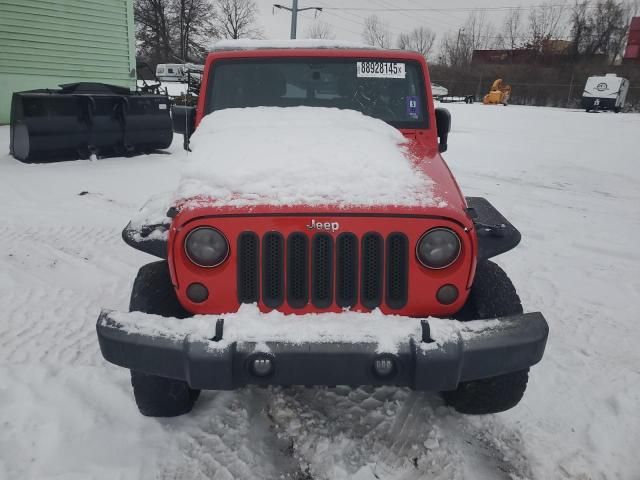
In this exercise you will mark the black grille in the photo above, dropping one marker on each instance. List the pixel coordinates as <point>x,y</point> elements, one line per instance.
<point>371,281</point>
<point>322,271</point>
<point>301,269</point>
<point>272,269</point>
<point>346,270</point>
<point>397,270</point>
<point>248,246</point>
<point>297,270</point>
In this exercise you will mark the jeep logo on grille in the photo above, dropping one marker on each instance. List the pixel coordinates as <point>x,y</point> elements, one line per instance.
<point>324,226</point>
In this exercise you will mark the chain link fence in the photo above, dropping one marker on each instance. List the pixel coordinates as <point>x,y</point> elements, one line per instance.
<point>550,86</point>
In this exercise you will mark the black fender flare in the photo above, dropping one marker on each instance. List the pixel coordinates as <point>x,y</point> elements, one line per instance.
<point>496,235</point>
<point>151,239</point>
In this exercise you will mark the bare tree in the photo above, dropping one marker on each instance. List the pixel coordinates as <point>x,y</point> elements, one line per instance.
<point>608,27</point>
<point>194,27</point>
<point>457,47</point>
<point>321,30</point>
<point>153,29</point>
<point>237,19</point>
<point>599,29</point>
<point>170,30</point>
<point>512,29</point>
<point>420,39</point>
<point>376,33</point>
<point>545,23</point>
<point>579,28</point>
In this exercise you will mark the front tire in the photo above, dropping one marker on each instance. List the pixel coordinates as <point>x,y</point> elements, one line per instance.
<point>159,396</point>
<point>492,295</point>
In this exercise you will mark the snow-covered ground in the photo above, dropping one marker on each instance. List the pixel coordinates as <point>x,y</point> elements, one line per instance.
<point>567,179</point>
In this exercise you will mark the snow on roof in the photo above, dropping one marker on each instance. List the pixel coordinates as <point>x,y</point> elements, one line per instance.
<point>247,44</point>
<point>300,156</point>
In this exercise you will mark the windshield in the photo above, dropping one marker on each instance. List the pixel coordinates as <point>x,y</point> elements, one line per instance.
<point>392,91</point>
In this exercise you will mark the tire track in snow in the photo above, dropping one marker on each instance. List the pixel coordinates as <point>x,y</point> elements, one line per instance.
<point>392,434</point>
<point>62,332</point>
<point>229,437</point>
<point>53,283</point>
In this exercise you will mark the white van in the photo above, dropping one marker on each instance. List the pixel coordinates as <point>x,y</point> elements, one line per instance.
<point>605,93</point>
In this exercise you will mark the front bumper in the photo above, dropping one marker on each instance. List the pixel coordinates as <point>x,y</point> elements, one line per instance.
<point>479,349</point>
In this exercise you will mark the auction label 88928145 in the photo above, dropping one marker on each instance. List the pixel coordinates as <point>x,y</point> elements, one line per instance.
<point>380,70</point>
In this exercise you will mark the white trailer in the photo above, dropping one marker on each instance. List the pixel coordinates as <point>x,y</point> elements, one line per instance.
<point>605,93</point>
<point>170,72</point>
<point>438,90</point>
<point>177,72</point>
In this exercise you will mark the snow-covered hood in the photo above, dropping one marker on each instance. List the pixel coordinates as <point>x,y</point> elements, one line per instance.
<point>304,160</point>
<point>302,156</point>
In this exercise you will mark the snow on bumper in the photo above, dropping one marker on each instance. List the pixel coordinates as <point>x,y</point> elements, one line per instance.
<point>325,349</point>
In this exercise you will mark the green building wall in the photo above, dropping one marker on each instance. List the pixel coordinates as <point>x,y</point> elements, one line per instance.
<point>45,43</point>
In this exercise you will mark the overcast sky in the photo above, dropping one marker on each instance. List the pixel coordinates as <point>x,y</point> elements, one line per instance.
<point>348,25</point>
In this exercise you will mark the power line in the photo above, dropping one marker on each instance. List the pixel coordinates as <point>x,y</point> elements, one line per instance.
<point>333,25</point>
<point>451,9</point>
<point>443,14</point>
<point>360,21</point>
<point>294,14</point>
<point>404,14</point>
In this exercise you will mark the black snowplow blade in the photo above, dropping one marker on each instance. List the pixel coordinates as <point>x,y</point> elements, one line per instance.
<point>81,119</point>
<point>490,348</point>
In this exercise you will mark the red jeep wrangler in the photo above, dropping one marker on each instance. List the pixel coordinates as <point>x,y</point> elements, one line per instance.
<point>328,284</point>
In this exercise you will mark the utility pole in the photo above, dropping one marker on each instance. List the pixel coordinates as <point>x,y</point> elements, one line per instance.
<point>294,14</point>
<point>570,90</point>
<point>457,59</point>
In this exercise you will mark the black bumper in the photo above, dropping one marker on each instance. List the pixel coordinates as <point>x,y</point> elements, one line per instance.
<point>487,349</point>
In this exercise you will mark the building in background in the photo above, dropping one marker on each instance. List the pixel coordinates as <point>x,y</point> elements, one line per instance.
<point>553,52</point>
<point>632,53</point>
<point>44,43</point>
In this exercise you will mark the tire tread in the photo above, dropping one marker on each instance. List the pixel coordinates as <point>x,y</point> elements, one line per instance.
<point>492,295</point>
<point>159,396</point>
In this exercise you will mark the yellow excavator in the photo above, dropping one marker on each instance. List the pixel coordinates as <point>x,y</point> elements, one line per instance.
<point>500,94</point>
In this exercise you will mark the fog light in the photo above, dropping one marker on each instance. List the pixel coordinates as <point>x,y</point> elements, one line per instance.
<point>384,366</point>
<point>447,294</point>
<point>262,366</point>
<point>197,293</point>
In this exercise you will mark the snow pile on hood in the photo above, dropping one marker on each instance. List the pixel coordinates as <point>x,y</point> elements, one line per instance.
<point>301,155</point>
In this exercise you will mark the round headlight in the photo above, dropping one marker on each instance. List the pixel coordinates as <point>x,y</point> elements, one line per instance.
<point>438,248</point>
<point>206,247</point>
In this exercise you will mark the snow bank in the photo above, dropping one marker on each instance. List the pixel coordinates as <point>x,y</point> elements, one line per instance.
<point>248,44</point>
<point>301,155</point>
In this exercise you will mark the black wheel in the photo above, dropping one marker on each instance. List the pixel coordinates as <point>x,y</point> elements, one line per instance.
<point>153,292</point>
<point>158,396</point>
<point>492,295</point>
<point>617,109</point>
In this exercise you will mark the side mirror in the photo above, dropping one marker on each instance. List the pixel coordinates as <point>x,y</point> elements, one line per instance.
<point>443,125</point>
<point>184,122</point>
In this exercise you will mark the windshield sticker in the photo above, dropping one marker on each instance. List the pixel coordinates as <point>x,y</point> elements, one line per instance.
<point>380,70</point>
<point>412,107</point>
